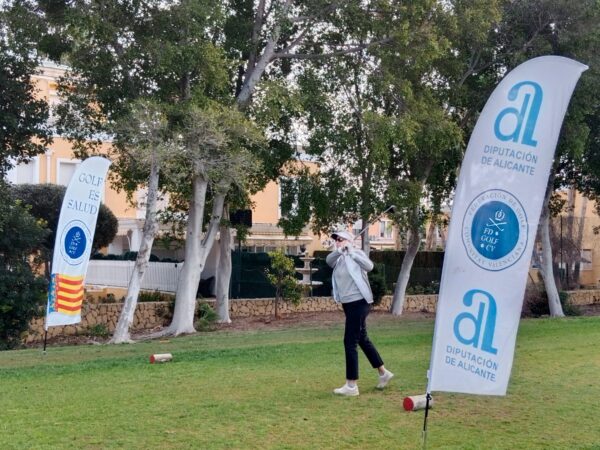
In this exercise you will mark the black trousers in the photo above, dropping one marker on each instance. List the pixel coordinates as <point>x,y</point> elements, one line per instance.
<point>355,334</point>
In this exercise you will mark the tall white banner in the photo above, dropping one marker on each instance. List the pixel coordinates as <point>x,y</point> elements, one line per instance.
<point>494,220</point>
<point>74,237</point>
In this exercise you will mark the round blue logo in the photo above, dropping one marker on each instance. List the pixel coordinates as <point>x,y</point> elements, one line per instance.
<point>75,242</point>
<point>75,239</point>
<point>495,230</point>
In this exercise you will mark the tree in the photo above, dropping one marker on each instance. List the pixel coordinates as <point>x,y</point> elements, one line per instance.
<point>282,275</point>
<point>566,29</point>
<point>144,143</point>
<point>22,292</point>
<point>386,136</point>
<point>266,37</point>
<point>44,202</point>
<point>350,138</point>
<point>435,106</point>
<point>24,132</point>
<point>187,71</point>
<point>215,142</point>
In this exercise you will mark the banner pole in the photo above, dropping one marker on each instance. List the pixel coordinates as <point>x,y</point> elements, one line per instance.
<point>424,434</point>
<point>45,339</point>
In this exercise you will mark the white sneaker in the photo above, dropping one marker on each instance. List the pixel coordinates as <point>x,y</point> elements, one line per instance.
<point>384,379</point>
<point>347,391</point>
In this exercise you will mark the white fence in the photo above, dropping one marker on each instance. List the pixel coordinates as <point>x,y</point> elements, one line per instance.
<point>158,276</point>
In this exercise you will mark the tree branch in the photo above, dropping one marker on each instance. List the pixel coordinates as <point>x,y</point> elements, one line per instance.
<point>258,23</point>
<point>347,51</point>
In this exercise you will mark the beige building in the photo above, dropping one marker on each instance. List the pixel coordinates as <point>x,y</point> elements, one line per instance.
<point>576,239</point>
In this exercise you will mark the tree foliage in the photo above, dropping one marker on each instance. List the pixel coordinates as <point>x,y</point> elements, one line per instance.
<point>282,275</point>
<point>22,292</point>
<point>44,202</point>
<point>24,130</point>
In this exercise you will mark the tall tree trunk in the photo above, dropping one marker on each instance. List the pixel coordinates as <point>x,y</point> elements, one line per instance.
<point>546,265</point>
<point>223,276</point>
<point>185,298</point>
<point>571,197</point>
<point>196,252</point>
<point>414,240</point>
<point>546,261</point>
<point>578,239</point>
<point>365,241</point>
<point>150,229</point>
<point>431,233</point>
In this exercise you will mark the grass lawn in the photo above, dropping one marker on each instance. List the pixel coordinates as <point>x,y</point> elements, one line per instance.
<point>272,389</point>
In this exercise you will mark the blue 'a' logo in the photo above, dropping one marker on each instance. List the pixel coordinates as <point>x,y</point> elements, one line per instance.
<point>473,325</point>
<point>507,129</point>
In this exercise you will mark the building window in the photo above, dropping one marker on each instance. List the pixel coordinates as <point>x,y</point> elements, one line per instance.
<point>25,173</point>
<point>65,170</point>
<point>385,229</point>
<point>586,260</point>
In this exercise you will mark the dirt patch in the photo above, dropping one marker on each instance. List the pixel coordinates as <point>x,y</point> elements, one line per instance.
<point>309,320</point>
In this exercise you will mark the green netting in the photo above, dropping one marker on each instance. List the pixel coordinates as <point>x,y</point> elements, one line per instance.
<point>248,278</point>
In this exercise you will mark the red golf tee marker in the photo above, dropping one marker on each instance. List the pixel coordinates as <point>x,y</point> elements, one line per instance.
<point>160,358</point>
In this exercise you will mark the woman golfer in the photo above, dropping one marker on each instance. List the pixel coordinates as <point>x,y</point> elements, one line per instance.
<point>351,288</point>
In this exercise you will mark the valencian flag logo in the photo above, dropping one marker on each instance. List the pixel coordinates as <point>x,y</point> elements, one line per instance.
<point>74,237</point>
<point>66,294</point>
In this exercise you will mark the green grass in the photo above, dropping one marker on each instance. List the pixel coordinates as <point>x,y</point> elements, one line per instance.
<point>272,389</point>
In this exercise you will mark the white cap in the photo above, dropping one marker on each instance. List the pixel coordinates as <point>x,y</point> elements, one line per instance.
<point>343,234</point>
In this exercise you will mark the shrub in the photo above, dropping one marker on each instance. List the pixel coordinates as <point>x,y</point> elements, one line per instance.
<point>98,330</point>
<point>45,200</point>
<point>109,298</point>
<point>536,303</point>
<point>282,275</point>
<point>417,289</point>
<point>22,292</point>
<point>155,296</point>
<point>206,318</point>
<point>568,308</point>
<point>377,282</point>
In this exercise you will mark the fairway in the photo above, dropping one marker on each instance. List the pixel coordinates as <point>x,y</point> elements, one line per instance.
<point>272,390</point>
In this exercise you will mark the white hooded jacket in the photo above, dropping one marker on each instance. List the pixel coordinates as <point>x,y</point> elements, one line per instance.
<point>358,264</point>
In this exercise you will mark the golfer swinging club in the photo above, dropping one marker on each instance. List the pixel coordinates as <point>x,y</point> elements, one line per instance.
<point>351,288</point>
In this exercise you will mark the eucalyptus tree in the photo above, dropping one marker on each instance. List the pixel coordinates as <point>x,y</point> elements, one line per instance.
<point>215,142</point>
<point>24,128</point>
<point>379,126</point>
<point>568,29</point>
<point>121,52</point>
<point>144,143</point>
<point>434,102</point>
<point>271,40</point>
<point>349,137</point>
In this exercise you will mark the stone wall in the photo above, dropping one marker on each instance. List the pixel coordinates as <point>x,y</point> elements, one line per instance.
<point>149,315</point>
<point>98,317</point>
<point>584,297</point>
